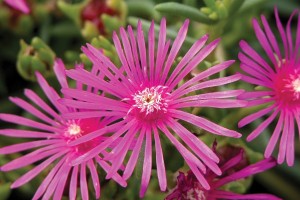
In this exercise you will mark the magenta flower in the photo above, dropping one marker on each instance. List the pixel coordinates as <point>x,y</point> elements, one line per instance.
<point>145,95</point>
<point>20,5</point>
<point>52,133</point>
<point>188,187</point>
<point>281,82</point>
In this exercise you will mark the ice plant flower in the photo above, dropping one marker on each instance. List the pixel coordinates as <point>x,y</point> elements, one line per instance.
<point>280,83</point>
<point>20,5</point>
<point>145,95</point>
<point>51,134</point>
<point>189,188</point>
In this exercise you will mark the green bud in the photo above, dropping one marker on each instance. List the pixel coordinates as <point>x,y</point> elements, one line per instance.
<point>213,16</point>
<point>35,57</point>
<point>89,30</point>
<point>111,23</point>
<point>222,10</point>
<point>73,11</point>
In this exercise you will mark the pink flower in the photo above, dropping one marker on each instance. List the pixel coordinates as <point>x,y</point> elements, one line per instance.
<point>188,187</point>
<point>281,85</point>
<point>20,5</point>
<point>52,133</point>
<point>146,96</point>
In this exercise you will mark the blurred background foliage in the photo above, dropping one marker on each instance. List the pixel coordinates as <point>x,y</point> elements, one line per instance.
<point>58,28</point>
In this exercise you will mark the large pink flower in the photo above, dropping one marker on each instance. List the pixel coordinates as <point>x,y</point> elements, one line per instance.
<point>52,133</point>
<point>20,5</point>
<point>280,80</point>
<point>148,98</point>
<point>188,187</point>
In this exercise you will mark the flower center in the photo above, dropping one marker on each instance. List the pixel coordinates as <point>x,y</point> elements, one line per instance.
<point>287,87</point>
<point>150,99</point>
<point>74,130</point>
<point>195,194</point>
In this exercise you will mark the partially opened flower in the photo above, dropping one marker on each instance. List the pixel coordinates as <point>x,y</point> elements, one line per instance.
<point>280,85</point>
<point>188,187</point>
<point>52,133</point>
<point>20,5</point>
<point>145,95</point>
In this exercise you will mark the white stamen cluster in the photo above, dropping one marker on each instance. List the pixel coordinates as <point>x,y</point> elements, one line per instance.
<point>73,130</point>
<point>294,85</point>
<point>195,194</point>
<point>150,99</point>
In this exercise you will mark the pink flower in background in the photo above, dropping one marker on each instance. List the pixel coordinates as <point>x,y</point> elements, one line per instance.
<point>188,187</point>
<point>146,96</point>
<point>280,79</point>
<point>20,5</point>
<point>52,133</point>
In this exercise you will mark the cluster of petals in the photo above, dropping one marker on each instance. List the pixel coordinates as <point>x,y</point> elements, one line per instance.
<point>51,133</point>
<point>20,5</point>
<point>188,186</point>
<point>148,99</point>
<point>279,81</point>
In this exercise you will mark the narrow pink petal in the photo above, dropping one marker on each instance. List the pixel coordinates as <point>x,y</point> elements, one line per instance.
<point>28,122</point>
<point>211,95</point>
<point>36,170</point>
<point>27,145</point>
<point>20,5</point>
<point>147,164</point>
<point>134,156</point>
<point>91,114</point>
<point>247,49</point>
<point>275,136</point>
<point>297,45</point>
<point>260,101</point>
<point>289,35</point>
<point>202,180</point>
<point>252,169</point>
<point>210,83</point>
<point>174,50</point>
<point>195,61</point>
<point>60,72</point>
<point>185,135</point>
<point>260,35</point>
<point>160,49</point>
<point>142,47</point>
<point>121,150</point>
<point>255,94</point>
<point>254,73</point>
<point>204,123</point>
<point>27,134</point>
<point>254,116</point>
<point>83,182</point>
<point>31,109</point>
<point>151,47</point>
<point>61,184</point>
<point>160,164</point>
<point>54,182</point>
<point>50,93</point>
<point>30,158</point>
<point>106,168</point>
<point>38,101</point>
<point>262,126</point>
<point>73,183</point>
<point>271,37</point>
<point>213,103</point>
<point>95,151</point>
<point>255,81</point>
<point>282,33</point>
<point>135,54</point>
<point>233,161</point>
<point>200,148</point>
<point>250,62</point>
<point>129,72</point>
<point>290,152</point>
<point>210,71</point>
<point>40,191</point>
<point>188,58</point>
<point>220,194</point>
<point>186,154</point>
<point>99,132</point>
<point>284,137</point>
<point>95,178</point>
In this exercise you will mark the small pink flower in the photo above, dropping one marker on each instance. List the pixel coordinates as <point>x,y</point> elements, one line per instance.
<point>52,133</point>
<point>189,188</point>
<point>280,79</point>
<point>146,96</point>
<point>20,5</point>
